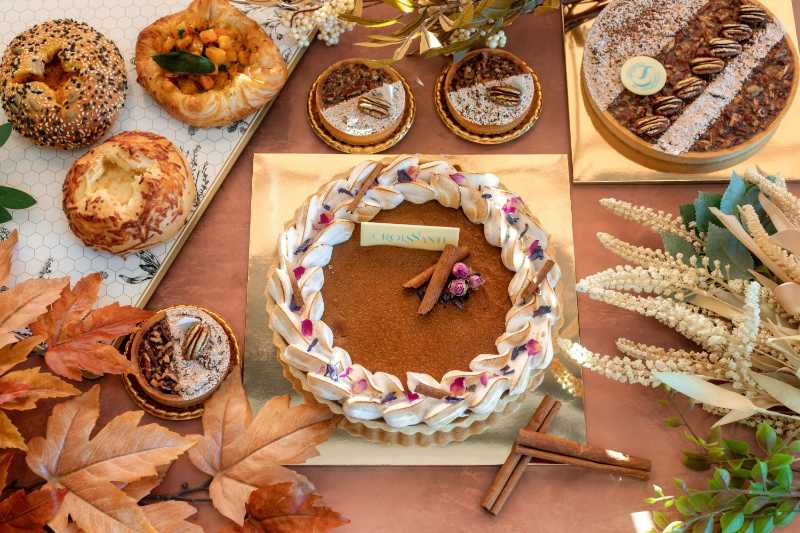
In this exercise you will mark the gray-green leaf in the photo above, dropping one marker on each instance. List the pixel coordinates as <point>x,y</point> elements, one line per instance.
<point>675,245</point>
<point>733,195</point>
<point>721,245</point>
<point>731,521</point>
<point>702,214</point>
<point>184,63</point>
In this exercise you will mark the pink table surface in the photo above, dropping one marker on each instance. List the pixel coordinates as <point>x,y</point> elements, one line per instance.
<point>212,271</point>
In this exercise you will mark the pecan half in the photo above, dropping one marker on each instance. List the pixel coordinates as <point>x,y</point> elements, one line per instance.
<point>374,106</point>
<point>652,125</point>
<point>724,48</point>
<point>752,14</point>
<point>706,66</point>
<point>667,105</point>
<point>505,95</point>
<point>737,32</point>
<point>689,87</point>
<point>195,339</point>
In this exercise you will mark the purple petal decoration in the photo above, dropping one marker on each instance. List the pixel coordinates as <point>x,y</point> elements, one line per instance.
<point>458,287</point>
<point>306,327</point>
<point>342,190</point>
<point>298,272</point>
<point>303,247</point>
<point>457,386</point>
<point>331,373</point>
<point>484,379</point>
<point>359,386</point>
<point>512,219</point>
<point>453,399</point>
<point>461,271</point>
<point>325,219</point>
<point>475,281</point>
<point>516,351</point>
<point>535,250</point>
<point>533,347</point>
<point>510,206</point>
<point>403,176</point>
<point>389,398</point>
<point>486,195</point>
<point>458,178</point>
<point>543,310</point>
<point>411,396</point>
<point>346,372</point>
<point>312,344</point>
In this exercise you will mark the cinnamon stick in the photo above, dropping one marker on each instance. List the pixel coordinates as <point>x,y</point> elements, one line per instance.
<point>585,463</point>
<point>368,182</point>
<point>431,392</point>
<point>571,448</point>
<point>533,286</point>
<point>423,277</point>
<point>441,273</point>
<point>297,295</point>
<point>522,465</point>
<point>540,421</point>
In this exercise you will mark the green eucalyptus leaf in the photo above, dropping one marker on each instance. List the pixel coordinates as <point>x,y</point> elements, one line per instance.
<point>5,216</point>
<point>15,199</point>
<point>785,519</point>
<point>766,437</point>
<point>733,195</point>
<point>778,460</point>
<point>754,504</point>
<point>794,446</point>
<point>763,524</point>
<point>722,246</point>
<point>723,477</point>
<point>783,476</point>
<point>660,519</point>
<point>702,214</point>
<point>736,447</point>
<point>683,506</point>
<point>5,133</point>
<point>700,501</point>
<point>674,527</point>
<point>675,245</point>
<point>747,527</point>
<point>731,521</point>
<point>695,461</point>
<point>673,422</point>
<point>759,471</point>
<point>184,63</point>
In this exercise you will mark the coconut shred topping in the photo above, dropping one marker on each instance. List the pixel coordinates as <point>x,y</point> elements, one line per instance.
<point>628,28</point>
<point>524,350</point>
<point>700,114</point>
<point>346,116</point>
<point>474,104</point>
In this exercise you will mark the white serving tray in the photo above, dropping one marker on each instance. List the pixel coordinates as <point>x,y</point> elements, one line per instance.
<point>46,246</point>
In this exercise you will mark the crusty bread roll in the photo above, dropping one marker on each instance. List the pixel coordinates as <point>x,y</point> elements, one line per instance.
<point>239,86</point>
<point>131,192</point>
<point>63,83</point>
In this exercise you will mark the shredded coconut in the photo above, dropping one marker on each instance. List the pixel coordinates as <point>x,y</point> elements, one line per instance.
<point>474,104</point>
<point>628,28</point>
<point>346,116</point>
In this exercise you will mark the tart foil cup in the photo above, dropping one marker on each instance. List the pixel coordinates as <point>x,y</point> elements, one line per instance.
<point>320,131</point>
<point>167,412</point>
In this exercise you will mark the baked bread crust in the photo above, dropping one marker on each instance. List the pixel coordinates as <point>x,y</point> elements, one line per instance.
<point>248,91</point>
<point>63,83</point>
<point>129,193</point>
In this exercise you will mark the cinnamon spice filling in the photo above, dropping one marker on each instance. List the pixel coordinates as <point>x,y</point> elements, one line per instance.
<point>376,320</point>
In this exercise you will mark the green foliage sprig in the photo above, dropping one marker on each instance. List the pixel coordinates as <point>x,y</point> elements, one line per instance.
<point>11,198</point>
<point>749,491</point>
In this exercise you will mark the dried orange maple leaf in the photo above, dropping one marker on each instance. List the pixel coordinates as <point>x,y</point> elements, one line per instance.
<point>243,453</point>
<point>23,303</point>
<point>78,337</point>
<point>28,512</point>
<point>289,508</point>
<point>21,389</point>
<point>6,251</point>
<point>121,452</point>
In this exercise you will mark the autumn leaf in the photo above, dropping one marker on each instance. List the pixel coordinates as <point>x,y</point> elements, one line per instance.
<point>289,508</point>
<point>121,452</point>
<point>21,511</point>
<point>170,517</point>
<point>243,453</point>
<point>22,304</point>
<point>78,338</point>
<point>6,251</point>
<point>21,389</point>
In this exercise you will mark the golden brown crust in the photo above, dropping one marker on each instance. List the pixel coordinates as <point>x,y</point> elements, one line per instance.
<point>129,193</point>
<point>63,83</point>
<point>466,123</point>
<point>261,80</point>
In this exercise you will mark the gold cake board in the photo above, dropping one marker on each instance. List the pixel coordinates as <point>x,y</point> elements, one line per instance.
<point>596,160</point>
<point>282,182</point>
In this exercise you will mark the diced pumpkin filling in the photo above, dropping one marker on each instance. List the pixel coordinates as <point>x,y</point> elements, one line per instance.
<point>224,47</point>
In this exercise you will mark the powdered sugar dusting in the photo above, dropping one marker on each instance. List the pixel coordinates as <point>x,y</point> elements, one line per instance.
<point>628,28</point>
<point>474,104</point>
<point>346,116</point>
<point>701,113</point>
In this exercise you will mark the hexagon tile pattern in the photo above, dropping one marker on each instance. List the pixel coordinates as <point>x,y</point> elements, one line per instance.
<point>47,247</point>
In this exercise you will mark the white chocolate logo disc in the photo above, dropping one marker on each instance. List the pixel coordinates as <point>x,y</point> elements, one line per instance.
<point>643,75</point>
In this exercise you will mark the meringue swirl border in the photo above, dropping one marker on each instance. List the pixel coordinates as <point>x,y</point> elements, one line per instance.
<point>325,220</point>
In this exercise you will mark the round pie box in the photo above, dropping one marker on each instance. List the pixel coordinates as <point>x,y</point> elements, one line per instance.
<point>481,128</point>
<point>174,400</point>
<point>639,150</point>
<point>357,140</point>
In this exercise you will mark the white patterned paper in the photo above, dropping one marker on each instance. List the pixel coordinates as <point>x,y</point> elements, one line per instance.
<point>47,247</point>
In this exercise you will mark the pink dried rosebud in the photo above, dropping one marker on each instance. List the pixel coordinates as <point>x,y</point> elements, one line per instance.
<point>457,386</point>
<point>484,379</point>
<point>359,386</point>
<point>475,281</point>
<point>325,219</point>
<point>533,347</point>
<point>411,396</point>
<point>461,271</point>
<point>458,287</point>
<point>458,178</point>
<point>306,327</point>
<point>510,206</point>
<point>298,272</point>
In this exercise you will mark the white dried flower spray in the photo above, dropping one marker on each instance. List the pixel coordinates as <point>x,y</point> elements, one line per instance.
<point>744,329</point>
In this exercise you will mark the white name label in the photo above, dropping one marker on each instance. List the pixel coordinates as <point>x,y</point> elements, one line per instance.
<point>408,235</point>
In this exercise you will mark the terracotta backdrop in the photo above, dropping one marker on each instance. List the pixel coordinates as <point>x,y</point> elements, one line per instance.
<point>212,271</point>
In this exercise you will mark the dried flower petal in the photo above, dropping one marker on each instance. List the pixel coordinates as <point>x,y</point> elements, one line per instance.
<point>298,272</point>
<point>484,379</point>
<point>403,176</point>
<point>325,219</point>
<point>461,271</point>
<point>457,386</point>
<point>542,310</point>
<point>535,250</point>
<point>411,396</point>
<point>458,178</point>
<point>457,287</point>
<point>389,398</point>
<point>533,347</point>
<point>359,386</point>
<point>475,281</point>
<point>306,327</point>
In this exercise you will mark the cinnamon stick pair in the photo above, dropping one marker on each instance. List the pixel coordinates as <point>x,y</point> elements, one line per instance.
<point>438,279</point>
<point>510,473</point>
<point>423,277</point>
